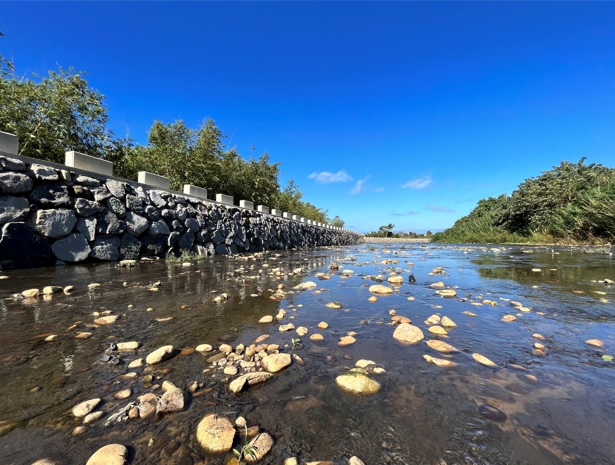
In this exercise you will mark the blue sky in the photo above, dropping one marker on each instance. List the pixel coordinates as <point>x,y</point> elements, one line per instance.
<point>403,112</point>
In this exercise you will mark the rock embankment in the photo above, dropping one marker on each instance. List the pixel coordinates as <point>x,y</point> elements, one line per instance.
<point>50,215</point>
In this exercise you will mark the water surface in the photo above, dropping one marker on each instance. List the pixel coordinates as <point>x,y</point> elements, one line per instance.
<point>563,413</point>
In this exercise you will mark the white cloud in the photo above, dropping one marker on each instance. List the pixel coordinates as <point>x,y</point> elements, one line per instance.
<point>379,189</point>
<point>325,177</point>
<point>418,183</point>
<point>358,187</point>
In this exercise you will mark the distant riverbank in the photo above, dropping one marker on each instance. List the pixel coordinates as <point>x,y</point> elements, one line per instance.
<point>387,240</point>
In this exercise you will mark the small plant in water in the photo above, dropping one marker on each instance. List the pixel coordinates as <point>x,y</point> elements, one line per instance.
<point>246,449</point>
<point>184,257</point>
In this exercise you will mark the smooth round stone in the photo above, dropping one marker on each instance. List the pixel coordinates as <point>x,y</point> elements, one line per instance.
<point>92,417</point>
<point>380,289</point>
<point>266,319</point>
<point>131,345</point>
<point>112,454</point>
<point>204,348</point>
<point>159,355</point>
<point>276,362</point>
<point>215,434</point>
<point>82,409</point>
<point>317,337</point>
<point>30,293</point>
<point>323,325</point>
<point>358,383</point>
<point>230,370</point>
<point>302,330</point>
<point>346,341</point>
<point>408,334</point>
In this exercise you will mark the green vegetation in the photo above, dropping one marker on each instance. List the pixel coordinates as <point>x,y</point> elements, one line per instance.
<point>571,203</point>
<point>387,231</point>
<point>60,112</point>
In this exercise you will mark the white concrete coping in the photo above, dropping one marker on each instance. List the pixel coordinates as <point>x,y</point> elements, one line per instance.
<point>225,199</point>
<point>302,219</point>
<point>309,221</point>
<point>88,163</point>
<point>295,217</point>
<point>262,209</point>
<point>194,191</point>
<point>286,215</point>
<point>276,212</point>
<point>246,204</point>
<point>9,143</point>
<point>155,180</point>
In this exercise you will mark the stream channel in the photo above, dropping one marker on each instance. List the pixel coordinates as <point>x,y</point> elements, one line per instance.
<point>550,399</point>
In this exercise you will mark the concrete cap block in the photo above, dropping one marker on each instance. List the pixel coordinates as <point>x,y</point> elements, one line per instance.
<point>295,217</point>
<point>81,161</point>
<point>194,191</point>
<point>286,215</point>
<point>9,143</point>
<point>246,204</point>
<point>225,199</point>
<point>276,212</point>
<point>262,209</point>
<point>154,180</point>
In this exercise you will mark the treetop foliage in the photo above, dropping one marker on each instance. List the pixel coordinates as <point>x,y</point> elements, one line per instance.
<point>60,112</point>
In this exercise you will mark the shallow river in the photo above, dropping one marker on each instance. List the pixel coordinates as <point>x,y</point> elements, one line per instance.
<point>551,407</point>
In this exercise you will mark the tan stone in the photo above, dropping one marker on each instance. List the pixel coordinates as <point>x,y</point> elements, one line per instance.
<point>215,434</point>
<point>260,446</point>
<point>85,407</point>
<point>276,362</point>
<point>408,334</point>
<point>380,289</point>
<point>112,454</point>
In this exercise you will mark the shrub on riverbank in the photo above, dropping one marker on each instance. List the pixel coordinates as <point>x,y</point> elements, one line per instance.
<point>571,203</point>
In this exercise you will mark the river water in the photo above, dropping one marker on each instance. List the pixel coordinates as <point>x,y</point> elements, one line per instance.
<point>554,407</point>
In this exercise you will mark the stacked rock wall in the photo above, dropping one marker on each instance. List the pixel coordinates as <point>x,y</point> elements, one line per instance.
<point>50,215</point>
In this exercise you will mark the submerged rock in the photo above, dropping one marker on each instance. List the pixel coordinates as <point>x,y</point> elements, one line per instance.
<point>408,334</point>
<point>249,379</point>
<point>276,362</point>
<point>260,446</point>
<point>489,411</point>
<point>357,382</point>
<point>159,355</point>
<point>84,408</point>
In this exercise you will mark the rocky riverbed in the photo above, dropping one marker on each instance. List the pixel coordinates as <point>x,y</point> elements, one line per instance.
<point>394,355</point>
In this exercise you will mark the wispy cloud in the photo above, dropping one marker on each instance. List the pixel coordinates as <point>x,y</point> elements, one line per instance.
<point>440,209</point>
<point>359,186</point>
<point>418,183</point>
<point>325,177</point>
<point>379,189</point>
<point>406,213</point>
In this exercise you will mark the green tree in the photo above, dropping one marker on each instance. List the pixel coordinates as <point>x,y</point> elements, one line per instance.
<point>337,222</point>
<point>54,114</point>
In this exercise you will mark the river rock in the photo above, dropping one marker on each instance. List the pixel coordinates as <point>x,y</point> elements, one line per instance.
<point>92,417</point>
<point>380,289</point>
<point>317,337</point>
<point>87,208</point>
<point>483,360</point>
<point>441,346</point>
<point>260,446</point>
<point>346,341</point>
<point>73,248</point>
<point>249,379</point>
<point>106,320</point>
<point>45,462</point>
<point>29,293</point>
<point>111,454</point>
<point>159,355</point>
<point>287,327</point>
<point>131,345</point>
<point>53,223</point>
<point>305,286</point>
<point>355,461</point>
<point>266,319</point>
<point>15,183</point>
<point>438,330</point>
<point>357,382</point>
<point>276,362</point>
<point>230,370</point>
<point>447,322</point>
<point>204,348</point>
<point>171,401</point>
<point>595,342</point>
<point>447,293</point>
<point>13,209</point>
<point>440,362</point>
<point>215,434</point>
<point>408,334</point>
<point>82,409</point>
<point>396,280</point>
<point>48,290</point>
<point>302,331</point>
<point>136,224</point>
<point>106,248</point>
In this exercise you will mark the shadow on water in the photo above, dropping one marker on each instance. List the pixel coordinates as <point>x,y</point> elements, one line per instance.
<point>549,407</point>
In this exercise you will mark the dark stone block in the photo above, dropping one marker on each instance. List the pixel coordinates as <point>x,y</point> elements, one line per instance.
<point>130,247</point>
<point>19,240</point>
<point>51,196</point>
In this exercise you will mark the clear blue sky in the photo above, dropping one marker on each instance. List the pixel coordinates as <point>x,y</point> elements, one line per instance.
<point>403,112</point>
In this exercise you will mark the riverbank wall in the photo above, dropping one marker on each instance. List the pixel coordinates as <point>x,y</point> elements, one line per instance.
<point>52,214</point>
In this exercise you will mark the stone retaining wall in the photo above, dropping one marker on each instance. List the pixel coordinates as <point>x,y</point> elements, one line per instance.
<point>51,215</point>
